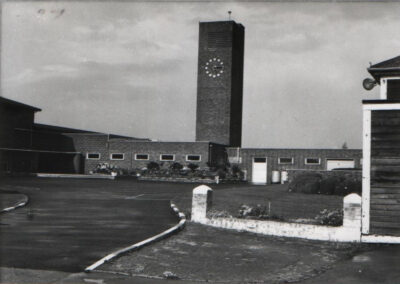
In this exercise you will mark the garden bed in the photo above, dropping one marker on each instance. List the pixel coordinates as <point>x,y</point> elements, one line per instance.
<point>177,179</point>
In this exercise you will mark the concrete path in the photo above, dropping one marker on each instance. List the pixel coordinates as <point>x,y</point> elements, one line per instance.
<point>375,264</point>
<point>202,253</point>
<point>380,265</point>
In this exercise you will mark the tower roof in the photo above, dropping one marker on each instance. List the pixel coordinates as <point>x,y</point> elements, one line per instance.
<point>389,68</point>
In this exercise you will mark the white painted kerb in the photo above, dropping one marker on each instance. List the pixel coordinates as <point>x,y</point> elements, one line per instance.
<point>141,244</point>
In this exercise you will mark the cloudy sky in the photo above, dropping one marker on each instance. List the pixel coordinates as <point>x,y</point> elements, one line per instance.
<point>130,68</point>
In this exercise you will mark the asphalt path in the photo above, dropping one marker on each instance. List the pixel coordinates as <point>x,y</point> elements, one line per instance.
<point>68,224</point>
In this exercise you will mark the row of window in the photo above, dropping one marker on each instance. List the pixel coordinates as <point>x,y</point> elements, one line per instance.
<point>307,161</point>
<point>144,157</point>
<point>290,161</point>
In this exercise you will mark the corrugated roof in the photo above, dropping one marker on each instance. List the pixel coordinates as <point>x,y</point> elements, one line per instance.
<point>16,104</point>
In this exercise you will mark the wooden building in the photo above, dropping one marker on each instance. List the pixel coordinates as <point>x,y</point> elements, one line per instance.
<point>381,153</point>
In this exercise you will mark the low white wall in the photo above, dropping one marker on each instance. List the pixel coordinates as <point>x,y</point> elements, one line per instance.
<point>349,232</point>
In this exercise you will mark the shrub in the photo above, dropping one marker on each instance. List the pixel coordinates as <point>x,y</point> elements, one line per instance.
<point>337,184</point>
<point>236,170</point>
<point>103,168</point>
<point>153,166</point>
<point>330,217</point>
<point>176,166</point>
<point>193,167</point>
<point>306,183</point>
<point>221,173</point>
<point>327,185</point>
<point>257,212</point>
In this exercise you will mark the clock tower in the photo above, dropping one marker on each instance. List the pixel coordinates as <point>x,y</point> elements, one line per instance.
<point>220,83</point>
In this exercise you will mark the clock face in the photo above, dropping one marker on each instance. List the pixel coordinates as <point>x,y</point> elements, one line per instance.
<point>214,67</point>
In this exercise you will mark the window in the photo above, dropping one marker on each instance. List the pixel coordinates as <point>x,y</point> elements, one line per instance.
<point>260,160</point>
<point>313,161</point>
<point>167,157</point>
<point>117,156</point>
<point>285,161</point>
<point>144,157</point>
<point>193,158</point>
<point>93,156</point>
<point>393,89</point>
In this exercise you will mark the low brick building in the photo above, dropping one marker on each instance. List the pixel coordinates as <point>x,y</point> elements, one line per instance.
<point>131,154</point>
<point>259,164</point>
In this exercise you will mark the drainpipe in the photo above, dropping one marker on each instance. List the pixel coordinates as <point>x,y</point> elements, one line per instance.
<point>209,154</point>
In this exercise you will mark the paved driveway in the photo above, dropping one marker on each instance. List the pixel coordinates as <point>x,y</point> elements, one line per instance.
<point>69,224</point>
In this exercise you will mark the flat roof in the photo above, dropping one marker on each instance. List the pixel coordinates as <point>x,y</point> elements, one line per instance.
<point>297,149</point>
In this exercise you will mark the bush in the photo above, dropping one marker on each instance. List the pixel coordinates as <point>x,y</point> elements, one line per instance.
<point>176,166</point>
<point>221,173</point>
<point>153,166</point>
<point>106,168</point>
<point>330,217</point>
<point>306,183</point>
<point>257,212</point>
<point>193,167</point>
<point>314,183</point>
<point>236,170</point>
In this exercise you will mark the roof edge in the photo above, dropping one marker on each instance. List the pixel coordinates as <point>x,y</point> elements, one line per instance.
<point>18,104</point>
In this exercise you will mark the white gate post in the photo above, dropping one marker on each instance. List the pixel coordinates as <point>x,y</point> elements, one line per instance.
<point>201,201</point>
<point>352,211</point>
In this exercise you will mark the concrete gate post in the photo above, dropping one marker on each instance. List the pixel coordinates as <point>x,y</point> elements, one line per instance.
<point>352,211</point>
<point>201,202</point>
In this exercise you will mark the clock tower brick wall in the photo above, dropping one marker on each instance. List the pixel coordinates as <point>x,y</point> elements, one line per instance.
<point>220,85</point>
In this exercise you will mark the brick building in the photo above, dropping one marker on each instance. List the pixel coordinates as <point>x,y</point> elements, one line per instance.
<point>259,164</point>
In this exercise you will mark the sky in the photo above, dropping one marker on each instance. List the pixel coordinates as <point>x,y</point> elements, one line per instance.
<point>130,68</point>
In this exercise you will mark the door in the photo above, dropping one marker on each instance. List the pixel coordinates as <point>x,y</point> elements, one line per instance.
<point>339,164</point>
<point>259,174</point>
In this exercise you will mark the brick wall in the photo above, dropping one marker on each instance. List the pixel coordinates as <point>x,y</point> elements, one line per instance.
<point>155,149</point>
<point>100,143</point>
<point>91,143</point>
